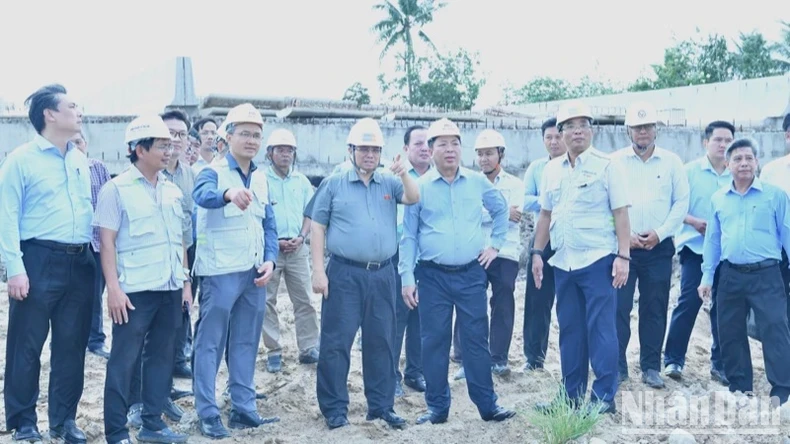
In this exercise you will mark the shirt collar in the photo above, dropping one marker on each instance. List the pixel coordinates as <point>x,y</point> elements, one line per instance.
<point>44,144</point>
<point>232,164</point>
<point>658,153</point>
<point>353,176</point>
<point>581,158</point>
<point>136,174</point>
<point>273,173</point>
<point>756,184</point>
<point>433,174</point>
<point>705,165</point>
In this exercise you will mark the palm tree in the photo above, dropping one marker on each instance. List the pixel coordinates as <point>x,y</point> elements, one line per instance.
<point>403,24</point>
<point>782,49</point>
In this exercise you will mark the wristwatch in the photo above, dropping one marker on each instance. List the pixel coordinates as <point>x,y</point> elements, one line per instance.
<point>188,275</point>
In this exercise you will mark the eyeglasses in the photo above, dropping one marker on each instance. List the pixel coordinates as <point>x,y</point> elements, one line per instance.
<point>166,148</point>
<point>369,149</point>
<point>571,127</point>
<point>249,135</point>
<point>178,134</point>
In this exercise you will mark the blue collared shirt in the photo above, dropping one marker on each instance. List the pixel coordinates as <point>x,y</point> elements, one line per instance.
<point>745,229</point>
<point>532,178</point>
<point>360,220</point>
<point>445,226</point>
<point>207,195</point>
<point>402,208</point>
<point>703,182</point>
<point>44,195</point>
<point>290,196</point>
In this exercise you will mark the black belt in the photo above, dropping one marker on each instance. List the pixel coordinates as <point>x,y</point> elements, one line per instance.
<point>372,266</point>
<point>57,246</point>
<point>747,268</point>
<point>449,268</point>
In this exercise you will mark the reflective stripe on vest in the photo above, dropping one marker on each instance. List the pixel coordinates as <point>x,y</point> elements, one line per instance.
<point>230,240</point>
<point>150,250</point>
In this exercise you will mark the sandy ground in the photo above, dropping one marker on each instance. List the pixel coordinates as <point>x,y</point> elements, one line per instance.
<point>292,396</point>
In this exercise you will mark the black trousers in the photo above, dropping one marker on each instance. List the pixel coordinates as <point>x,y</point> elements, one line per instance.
<point>151,330</point>
<point>537,309</point>
<point>761,290</point>
<point>61,295</point>
<point>653,269</point>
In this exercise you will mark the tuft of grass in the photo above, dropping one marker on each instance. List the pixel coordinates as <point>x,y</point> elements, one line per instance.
<point>563,422</point>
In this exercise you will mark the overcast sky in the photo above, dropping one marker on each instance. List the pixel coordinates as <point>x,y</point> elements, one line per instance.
<point>317,48</point>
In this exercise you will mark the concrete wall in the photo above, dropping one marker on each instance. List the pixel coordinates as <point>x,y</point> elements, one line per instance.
<point>322,143</point>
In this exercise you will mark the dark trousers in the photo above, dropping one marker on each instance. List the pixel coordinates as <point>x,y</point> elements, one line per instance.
<point>60,295</point>
<point>501,274</point>
<point>150,331</point>
<point>357,297</point>
<point>685,314</point>
<point>440,292</point>
<point>407,325</point>
<point>763,291</point>
<point>537,310</point>
<point>97,336</point>
<point>586,310</point>
<point>653,270</point>
<point>785,267</point>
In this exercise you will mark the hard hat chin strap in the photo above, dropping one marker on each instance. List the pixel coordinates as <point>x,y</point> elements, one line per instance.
<point>359,169</point>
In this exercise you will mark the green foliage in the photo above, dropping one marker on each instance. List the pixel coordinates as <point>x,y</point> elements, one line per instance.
<point>452,81</point>
<point>562,423</point>
<point>357,93</point>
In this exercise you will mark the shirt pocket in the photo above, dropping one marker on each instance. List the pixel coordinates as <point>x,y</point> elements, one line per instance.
<point>763,220</point>
<point>591,191</point>
<point>141,221</point>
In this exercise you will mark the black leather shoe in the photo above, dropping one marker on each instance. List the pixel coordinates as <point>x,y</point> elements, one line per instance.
<point>674,371</point>
<point>164,436</point>
<point>653,379</point>
<point>101,352</point>
<point>261,395</point>
<point>417,384</point>
<point>134,417</point>
<point>177,394</point>
<point>335,422</point>
<point>431,416</point>
<point>182,371</point>
<point>172,411</point>
<point>27,433</point>
<point>718,376</point>
<point>499,414</point>
<point>530,366</point>
<point>213,428</point>
<point>238,420</point>
<point>393,420</point>
<point>602,406</point>
<point>68,432</point>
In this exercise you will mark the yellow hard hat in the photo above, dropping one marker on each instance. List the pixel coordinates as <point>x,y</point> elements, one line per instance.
<point>571,110</point>
<point>281,136</point>
<point>366,132</point>
<point>147,127</point>
<point>244,113</point>
<point>489,138</point>
<point>641,113</point>
<point>443,127</point>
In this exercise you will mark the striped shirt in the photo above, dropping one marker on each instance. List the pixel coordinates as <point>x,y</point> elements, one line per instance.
<point>99,176</point>
<point>110,212</point>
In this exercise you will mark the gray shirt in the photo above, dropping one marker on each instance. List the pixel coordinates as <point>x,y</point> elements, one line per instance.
<point>184,178</point>
<point>361,220</point>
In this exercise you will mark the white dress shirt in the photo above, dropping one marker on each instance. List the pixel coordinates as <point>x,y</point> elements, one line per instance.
<point>512,189</point>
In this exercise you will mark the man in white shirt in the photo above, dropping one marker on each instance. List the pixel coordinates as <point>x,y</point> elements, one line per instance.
<point>659,192</point>
<point>777,172</point>
<point>502,273</point>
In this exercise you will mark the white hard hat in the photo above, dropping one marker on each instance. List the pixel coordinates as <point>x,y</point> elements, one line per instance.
<point>366,132</point>
<point>443,127</point>
<point>281,136</point>
<point>641,113</point>
<point>222,130</point>
<point>244,113</point>
<point>147,127</point>
<point>489,138</point>
<point>571,110</point>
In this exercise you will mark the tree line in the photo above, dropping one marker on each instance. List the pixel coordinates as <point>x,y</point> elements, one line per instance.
<point>453,80</point>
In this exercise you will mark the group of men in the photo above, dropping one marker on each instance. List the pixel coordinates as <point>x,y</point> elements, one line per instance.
<point>409,247</point>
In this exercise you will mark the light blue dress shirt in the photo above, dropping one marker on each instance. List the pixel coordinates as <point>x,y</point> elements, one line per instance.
<point>45,195</point>
<point>289,197</point>
<point>532,178</point>
<point>703,182</point>
<point>445,226</point>
<point>745,229</point>
<point>402,208</point>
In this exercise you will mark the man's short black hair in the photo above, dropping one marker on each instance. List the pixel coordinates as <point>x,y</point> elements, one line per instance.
<point>719,124</point>
<point>551,123</point>
<point>176,114</point>
<point>145,143</point>
<point>47,97</point>
<point>411,129</point>
<point>742,143</point>
<point>786,123</point>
